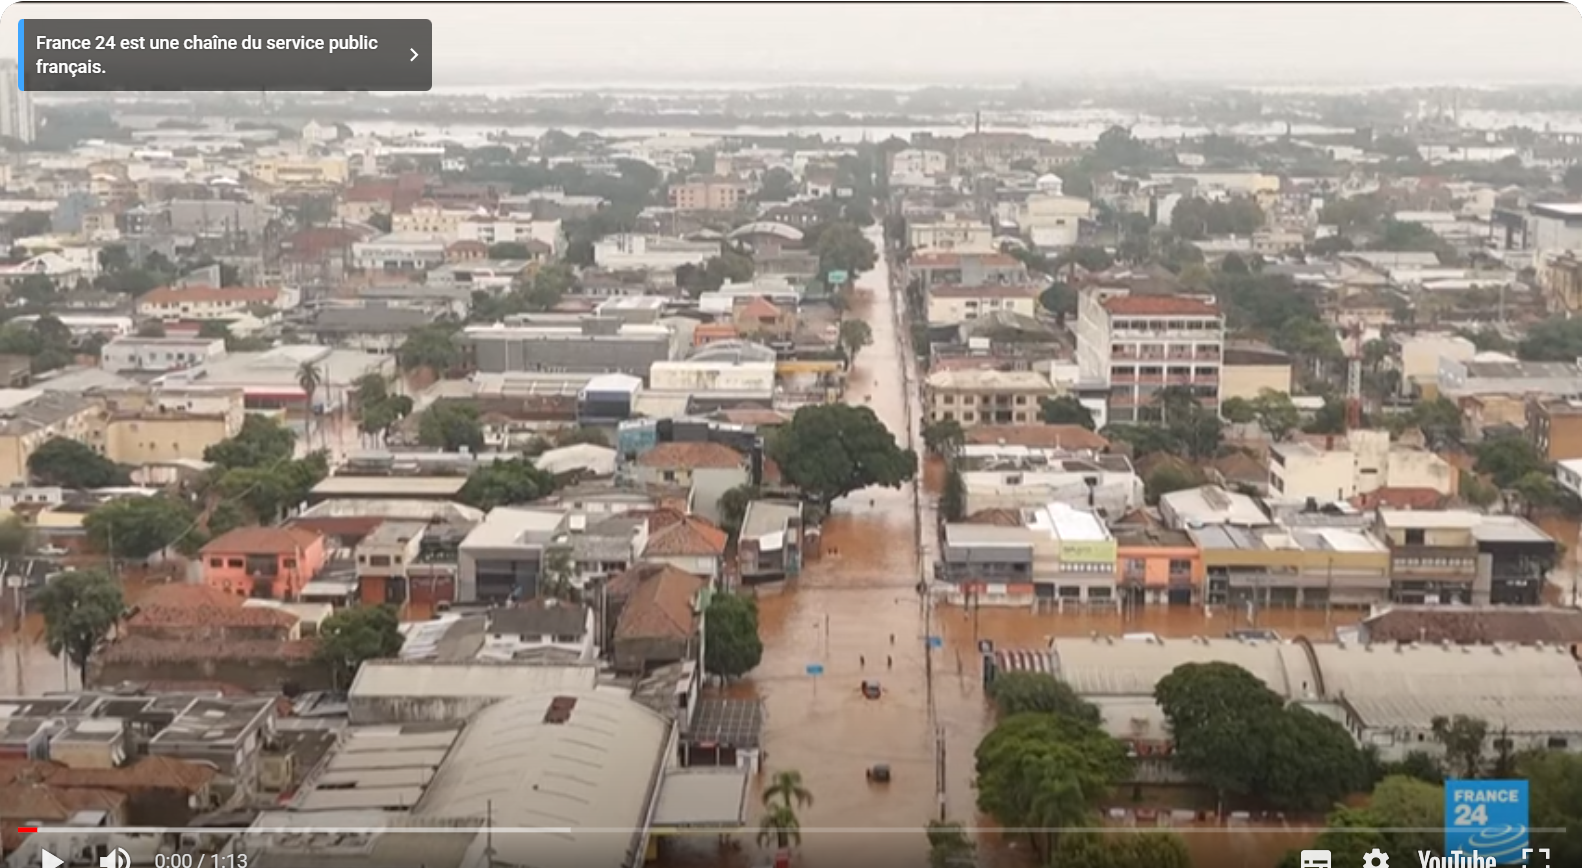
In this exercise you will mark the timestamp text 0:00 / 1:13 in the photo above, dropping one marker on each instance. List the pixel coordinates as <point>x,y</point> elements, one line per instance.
<point>201,860</point>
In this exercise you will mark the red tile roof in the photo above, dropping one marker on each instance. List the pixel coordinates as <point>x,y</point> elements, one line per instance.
<point>691,455</point>
<point>177,605</point>
<point>140,649</point>
<point>262,541</point>
<point>202,294</point>
<point>148,773</point>
<point>661,607</point>
<point>760,308</point>
<point>1400,498</point>
<point>689,537</point>
<point>1159,305</point>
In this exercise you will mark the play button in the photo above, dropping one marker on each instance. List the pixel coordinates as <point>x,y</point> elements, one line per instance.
<point>51,860</point>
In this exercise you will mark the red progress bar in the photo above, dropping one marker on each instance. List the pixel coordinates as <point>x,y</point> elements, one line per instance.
<point>25,829</point>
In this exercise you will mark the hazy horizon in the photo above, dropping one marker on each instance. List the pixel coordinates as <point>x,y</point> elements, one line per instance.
<point>899,44</point>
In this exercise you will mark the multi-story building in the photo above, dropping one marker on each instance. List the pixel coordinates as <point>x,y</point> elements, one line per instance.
<point>709,194</point>
<point>987,397</point>
<point>591,346</point>
<point>272,563</point>
<point>1001,476</point>
<point>934,268</point>
<point>1459,556</point>
<point>1139,344</point>
<point>30,418</point>
<point>301,171</point>
<point>1554,425</point>
<point>1560,277</point>
<point>212,302</point>
<point>1553,228</point>
<point>158,354</point>
<point>16,106</point>
<point>1360,462</point>
<point>503,558</point>
<point>143,427</point>
<point>400,251</point>
<point>508,230</point>
<point>950,233</point>
<point>1058,557</point>
<point>917,166</point>
<point>953,304</point>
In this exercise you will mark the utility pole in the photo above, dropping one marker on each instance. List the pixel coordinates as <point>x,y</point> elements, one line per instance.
<point>939,769</point>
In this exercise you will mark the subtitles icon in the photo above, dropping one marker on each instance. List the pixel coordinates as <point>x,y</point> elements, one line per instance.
<point>1317,859</point>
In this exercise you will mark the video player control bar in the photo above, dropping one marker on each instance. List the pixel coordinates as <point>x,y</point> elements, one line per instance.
<point>214,55</point>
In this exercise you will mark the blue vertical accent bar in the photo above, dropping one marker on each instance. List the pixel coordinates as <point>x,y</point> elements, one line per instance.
<point>21,47</point>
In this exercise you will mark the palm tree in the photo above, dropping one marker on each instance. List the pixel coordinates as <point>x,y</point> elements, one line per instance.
<point>781,827</point>
<point>309,379</point>
<point>1058,803</point>
<point>786,788</point>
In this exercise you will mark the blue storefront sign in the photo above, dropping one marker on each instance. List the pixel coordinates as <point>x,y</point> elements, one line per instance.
<point>1487,817</point>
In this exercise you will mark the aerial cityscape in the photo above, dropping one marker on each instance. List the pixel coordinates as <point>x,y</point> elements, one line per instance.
<point>661,469</point>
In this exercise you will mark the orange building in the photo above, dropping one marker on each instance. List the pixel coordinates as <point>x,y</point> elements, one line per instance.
<point>1156,566</point>
<point>270,563</point>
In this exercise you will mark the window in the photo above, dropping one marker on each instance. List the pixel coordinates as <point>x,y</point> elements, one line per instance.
<point>1415,536</point>
<point>1557,742</point>
<point>216,562</point>
<point>235,563</point>
<point>289,563</point>
<point>670,476</point>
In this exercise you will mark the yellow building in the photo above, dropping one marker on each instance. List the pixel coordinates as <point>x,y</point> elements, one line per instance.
<point>1248,370</point>
<point>301,171</point>
<point>1561,279</point>
<point>158,427</point>
<point>29,418</point>
<point>974,397</point>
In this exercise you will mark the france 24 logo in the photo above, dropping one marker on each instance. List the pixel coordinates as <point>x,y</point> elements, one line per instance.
<point>1487,817</point>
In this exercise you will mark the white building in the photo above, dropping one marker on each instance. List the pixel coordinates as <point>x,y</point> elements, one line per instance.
<point>400,251</point>
<point>1139,344</point>
<point>213,302</point>
<point>952,304</point>
<point>917,166</point>
<point>1358,463</point>
<point>16,106</point>
<point>158,354</point>
<point>507,230</point>
<point>957,234</point>
<point>1420,355</point>
<point>1051,218</point>
<point>1553,228</point>
<point>618,252</point>
<point>732,376</point>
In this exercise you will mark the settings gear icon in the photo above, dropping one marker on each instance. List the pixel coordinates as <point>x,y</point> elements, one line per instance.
<point>1376,859</point>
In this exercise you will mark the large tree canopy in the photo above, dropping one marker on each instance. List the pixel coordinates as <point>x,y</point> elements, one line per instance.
<point>830,450</point>
<point>1047,771</point>
<point>732,646</point>
<point>71,464</point>
<point>1018,692</point>
<point>506,482</point>
<point>139,527</point>
<point>351,636</point>
<point>79,609</point>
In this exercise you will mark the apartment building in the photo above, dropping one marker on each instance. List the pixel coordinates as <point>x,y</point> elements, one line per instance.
<point>1139,344</point>
<point>955,304</point>
<point>1360,462</point>
<point>709,194</point>
<point>508,230</point>
<point>1003,476</point>
<point>1554,425</point>
<point>213,302</point>
<point>400,251</point>
<point>17,119</point>
<point>933,268</point>
<point>1560,278</point>
<point>987,397</point>
<point>301,171</point>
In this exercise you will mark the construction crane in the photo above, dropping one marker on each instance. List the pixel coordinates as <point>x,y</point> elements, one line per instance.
<point>1354,378</point>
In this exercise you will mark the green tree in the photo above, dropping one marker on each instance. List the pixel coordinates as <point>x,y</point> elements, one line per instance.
<point>943,436</point>
<point>504,483</point>
<point>1065,410</point>
<point>1462,738</point>
<point>1439,419</point>
<point>79,608</point>
<point>509,250</point>
<point>1092,850</point>
<point>354,635</point>
<point>550,284</point>
<point>778,185</point>
<point>433,347</point>
<point>953,495</point>
<point>780,827</point>
<point>842,247</point>
<point>831,450</point>
<point>140,527</point>
<point>1508,458</point>
<point>226,517</point>
<point>1022,692</point>
<point>786,788</point>
<point>1169,477</point>
<point>15,538</point>
<point>451,426</point>
<point>1059,299</point>
<point>854,335</point>
<point>1238,411</point>
<point>949,846</point>
<point>1046,771</point>
<point>261,442</point>
<point>731,645</point>
<point>70,464</point>
<point>1402,817</point>
<point>733,507</point>
<point>309,379</point>
<point>1555,788</point>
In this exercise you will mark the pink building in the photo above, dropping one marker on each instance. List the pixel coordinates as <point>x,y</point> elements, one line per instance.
<point>266,562</point>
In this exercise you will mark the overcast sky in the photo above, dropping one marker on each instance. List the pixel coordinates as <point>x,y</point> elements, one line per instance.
<point>898,43</point>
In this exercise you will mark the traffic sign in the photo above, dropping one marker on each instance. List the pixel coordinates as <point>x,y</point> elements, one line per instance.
<point>837,278</point>
<point>1488,817</point>
<point>936,642</point>
<point>815,669</point>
